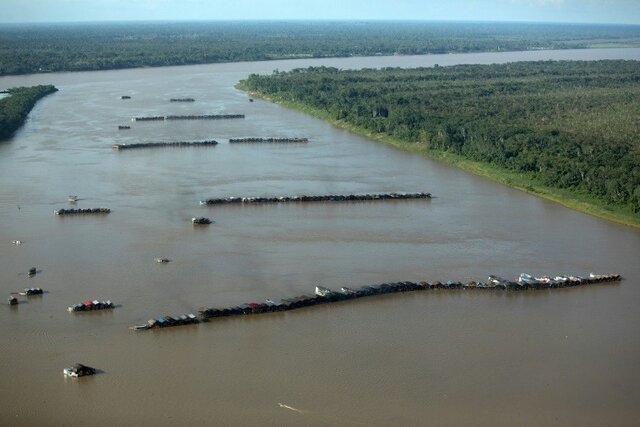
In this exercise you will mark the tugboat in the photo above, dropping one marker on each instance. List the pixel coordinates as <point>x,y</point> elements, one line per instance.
<point>79,370</point>
<point>12,300</point>
<point>200,221</point>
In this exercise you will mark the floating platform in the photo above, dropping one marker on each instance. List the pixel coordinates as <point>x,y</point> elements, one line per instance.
<point>119,147</point>
<point>325,198</point>
<point>189,117</point>
<point>267,140</point>
<point>87,211</point>
<point>324,295</point>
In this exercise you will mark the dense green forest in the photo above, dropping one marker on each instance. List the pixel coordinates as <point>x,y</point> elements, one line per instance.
<point>15,107</point>
<point>32,48</point>
<point>566,125</point>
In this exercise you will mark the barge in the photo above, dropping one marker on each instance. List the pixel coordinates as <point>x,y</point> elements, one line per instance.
<point>267,140</point>
<point>87,211</point>
<point>200,221</point>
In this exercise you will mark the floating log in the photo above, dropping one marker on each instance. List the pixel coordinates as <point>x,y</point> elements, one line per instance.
<point>190,117</point>
<point>267,140</point>
<point>119,147</point>
<point>325,295</point>
<point>182,100</point>
<point>324,198</point>
<point>87,211</point>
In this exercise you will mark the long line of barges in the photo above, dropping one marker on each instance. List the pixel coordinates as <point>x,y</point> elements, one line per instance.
<point>188,117</point>
<point>267,140</point>
<point>119,147</point>
<point>317,198</point>
<point>324,295</point>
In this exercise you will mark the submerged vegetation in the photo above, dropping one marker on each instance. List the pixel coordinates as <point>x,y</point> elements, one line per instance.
<point>37,48</point>
<point>565,130</point>
<point>15,107</point>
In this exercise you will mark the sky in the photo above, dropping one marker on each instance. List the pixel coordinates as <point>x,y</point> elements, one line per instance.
<point>580,11</point>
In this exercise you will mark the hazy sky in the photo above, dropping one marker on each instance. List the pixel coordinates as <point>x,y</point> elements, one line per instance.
<point>603,11</point>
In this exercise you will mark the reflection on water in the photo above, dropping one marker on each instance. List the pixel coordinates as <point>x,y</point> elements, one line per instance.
<point>564,357</point>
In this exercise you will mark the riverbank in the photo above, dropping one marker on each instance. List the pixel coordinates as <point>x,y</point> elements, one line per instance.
<point>518,181</point>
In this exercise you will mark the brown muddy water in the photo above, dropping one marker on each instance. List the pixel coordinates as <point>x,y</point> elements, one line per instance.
<point>562,357</point>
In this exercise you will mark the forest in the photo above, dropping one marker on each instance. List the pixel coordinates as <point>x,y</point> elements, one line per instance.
<point>569,125</point>
<point>15,107</point>
<point>36,48</point>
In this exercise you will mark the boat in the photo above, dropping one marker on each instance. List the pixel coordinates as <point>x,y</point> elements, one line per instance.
<point>17,242</point>
<point>89,305</point>
<point>200,221</point>
<point>32,271</point>
<point>125,97</point>
<point>121,127</point>
<point>140,327</point>
<point>31,291</point>
<point>323,292</point>
<point>78,370</point>
<point>12,300</point>
<point>161,260</point>
<point>73,199</point>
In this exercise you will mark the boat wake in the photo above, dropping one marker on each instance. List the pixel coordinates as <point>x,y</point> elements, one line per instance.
<point>291,408</point>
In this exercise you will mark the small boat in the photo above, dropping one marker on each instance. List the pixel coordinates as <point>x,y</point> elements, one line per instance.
<point>140,327</point>
<point>161,260</point>
<point>32,272</point>
<point>17,242</point>
<point>31,291</point>
<point>12,300</point>
<point>125,97</point>
<point>323,292</point>
<point>200,221</point>
<point>123,127</point>
<point>78,370</point>
<point>73,199</point>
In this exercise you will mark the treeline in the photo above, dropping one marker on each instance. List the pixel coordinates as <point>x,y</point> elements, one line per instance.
<point>37,48</point>
<point>567,125</point>
<point>15,107</point>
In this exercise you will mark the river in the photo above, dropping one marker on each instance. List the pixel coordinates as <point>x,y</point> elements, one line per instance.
<point>557,357</point>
